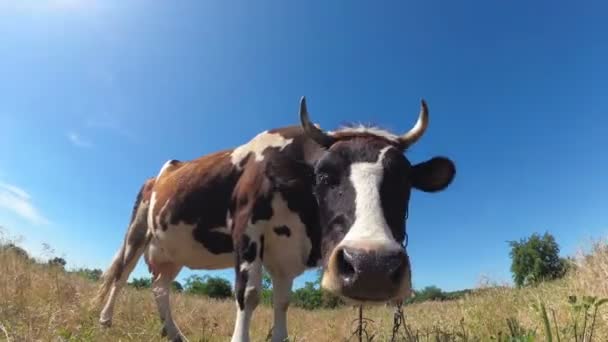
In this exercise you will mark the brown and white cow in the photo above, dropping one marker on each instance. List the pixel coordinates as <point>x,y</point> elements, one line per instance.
<point>291,198</point>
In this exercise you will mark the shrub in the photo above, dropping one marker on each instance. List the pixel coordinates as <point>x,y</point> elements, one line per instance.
<point>307,297</point>
<point>214,287</point>
<point>10,247</point>
<point>57,261</point>
<point>177,286</point>
<point>141,283</point>
<point>91,274</point>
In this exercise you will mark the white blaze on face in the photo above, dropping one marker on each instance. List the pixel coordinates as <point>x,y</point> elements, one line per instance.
<point>258,145</point>
<point>370,224</point>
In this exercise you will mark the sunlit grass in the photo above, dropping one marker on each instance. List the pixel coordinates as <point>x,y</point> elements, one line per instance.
<point>43,303</point>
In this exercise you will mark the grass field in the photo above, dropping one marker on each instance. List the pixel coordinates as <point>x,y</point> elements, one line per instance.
<point>43,303</point>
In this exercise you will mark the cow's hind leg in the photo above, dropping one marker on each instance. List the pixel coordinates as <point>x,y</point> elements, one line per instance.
<point>123,264</point>
<point>164,274</point>
<point>248,284</point>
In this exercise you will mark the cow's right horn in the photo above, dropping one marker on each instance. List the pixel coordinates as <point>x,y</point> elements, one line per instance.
<point>417,131</point>
<point>311,130</point>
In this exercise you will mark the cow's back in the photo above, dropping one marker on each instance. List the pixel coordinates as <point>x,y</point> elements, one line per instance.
<point>193,201</point>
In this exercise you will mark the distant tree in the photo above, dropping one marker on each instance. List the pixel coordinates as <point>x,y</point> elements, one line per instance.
<point>91,274</point>
<point>536,259</point>
<point>177,286</point>
<point>266,280</point>
<point>431,292</point>
<point>15,249</point>
<point>57,261</point>
<point>456,294</point>
<point>141,283</point>
<point>313,296</point>
<point>328,299</point>
<point>214,287</point>
<point>308,297</point>
<point>266,288</point>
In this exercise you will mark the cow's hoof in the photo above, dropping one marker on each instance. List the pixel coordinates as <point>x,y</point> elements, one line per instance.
<point>105,323</point>
<point>163,333</point>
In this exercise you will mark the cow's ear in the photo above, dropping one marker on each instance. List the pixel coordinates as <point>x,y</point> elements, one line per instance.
<point>433,175</point>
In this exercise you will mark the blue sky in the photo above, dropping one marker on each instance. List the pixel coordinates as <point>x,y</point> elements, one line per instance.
<point>96,95</point>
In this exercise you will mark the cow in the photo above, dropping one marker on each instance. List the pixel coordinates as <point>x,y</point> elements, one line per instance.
<point>290,199</point>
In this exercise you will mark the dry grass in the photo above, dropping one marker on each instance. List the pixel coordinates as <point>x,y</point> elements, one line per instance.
<point>41,303</point>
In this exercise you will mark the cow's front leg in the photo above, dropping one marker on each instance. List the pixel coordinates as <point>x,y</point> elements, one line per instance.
<point>281,288</point>
<point>248,284</point>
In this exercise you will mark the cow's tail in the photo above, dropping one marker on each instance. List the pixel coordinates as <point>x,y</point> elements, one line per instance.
<point>133,246</point>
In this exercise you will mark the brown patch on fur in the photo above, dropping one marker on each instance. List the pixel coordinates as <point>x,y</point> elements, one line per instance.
<point>249,188</point>
<point>180,180</point>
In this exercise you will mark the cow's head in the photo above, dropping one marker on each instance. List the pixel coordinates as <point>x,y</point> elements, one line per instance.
<point>362,184</point>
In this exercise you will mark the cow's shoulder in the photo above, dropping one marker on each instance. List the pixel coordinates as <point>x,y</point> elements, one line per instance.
<point>265,143</point>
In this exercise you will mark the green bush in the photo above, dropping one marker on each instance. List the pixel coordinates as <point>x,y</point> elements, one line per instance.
<point>177,286</point>
<point>91,274</point>
<point>312,296</point>
<point>57,261</point>
<point>141,283</point>
<point>308,297</point>
<point>266,289</point>
<point>214,287</point>
<point>15,249</point>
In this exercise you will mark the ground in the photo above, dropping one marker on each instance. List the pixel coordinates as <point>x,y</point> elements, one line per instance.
<point>43,303</point>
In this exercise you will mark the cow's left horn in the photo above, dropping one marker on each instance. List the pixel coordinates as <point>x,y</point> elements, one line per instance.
<point>311,130</point>
<point>417,131</point>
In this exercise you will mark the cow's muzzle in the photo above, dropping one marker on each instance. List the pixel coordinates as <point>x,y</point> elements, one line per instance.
<point>369,274</point>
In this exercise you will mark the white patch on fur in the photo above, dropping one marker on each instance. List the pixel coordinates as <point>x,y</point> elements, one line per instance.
<point>150,218</point>
<point>165,166</point>
<point>370,224</point>
<point>281,288</point>
<point>241,325</point>
<point>368,130</point>
<point>286,256</point>
<point>258,145</point>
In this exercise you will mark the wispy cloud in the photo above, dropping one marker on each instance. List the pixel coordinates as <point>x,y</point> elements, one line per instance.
<point>110,124</point>
<point>19,202</point>
<point>96,125</point>
<point>78,140</point>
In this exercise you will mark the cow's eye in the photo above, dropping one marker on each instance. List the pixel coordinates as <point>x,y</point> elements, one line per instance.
<point>324,178</point>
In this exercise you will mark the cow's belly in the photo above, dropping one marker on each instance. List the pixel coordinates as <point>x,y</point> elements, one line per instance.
<point>177,244</point>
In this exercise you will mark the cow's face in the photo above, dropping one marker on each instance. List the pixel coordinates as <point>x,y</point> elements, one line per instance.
<point>362,185</point>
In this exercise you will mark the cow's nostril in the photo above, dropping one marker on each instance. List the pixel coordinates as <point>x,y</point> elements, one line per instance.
<point>396,274</point>
<point>345,264</point>
<point>396,266</point>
